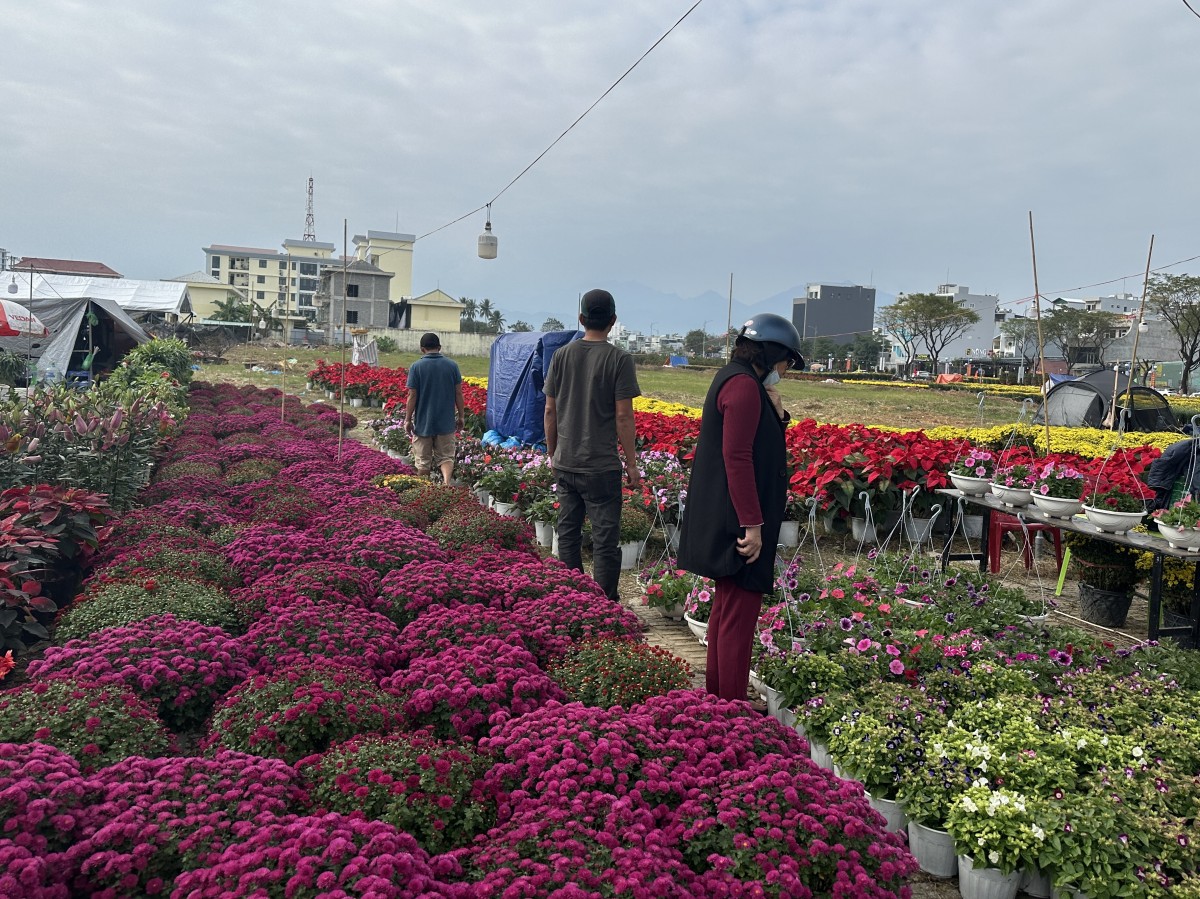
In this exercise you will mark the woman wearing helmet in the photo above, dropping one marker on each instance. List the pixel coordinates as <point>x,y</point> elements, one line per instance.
<point>737,492</point>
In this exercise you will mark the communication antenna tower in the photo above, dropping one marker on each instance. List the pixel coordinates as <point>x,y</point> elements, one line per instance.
<point>310,222</point>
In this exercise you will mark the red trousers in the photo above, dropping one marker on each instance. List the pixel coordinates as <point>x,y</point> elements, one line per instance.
<point>732,624</point>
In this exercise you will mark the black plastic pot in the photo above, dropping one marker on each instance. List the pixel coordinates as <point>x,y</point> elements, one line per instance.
<point>1108,608</point>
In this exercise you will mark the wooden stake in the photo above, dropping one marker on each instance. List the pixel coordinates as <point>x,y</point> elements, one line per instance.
<point>1138,332</point>
<point>729,320</point>
<point>1037,311</point>
<point>342,386</point>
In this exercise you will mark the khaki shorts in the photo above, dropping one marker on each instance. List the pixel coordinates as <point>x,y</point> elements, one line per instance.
<point>431,452</point>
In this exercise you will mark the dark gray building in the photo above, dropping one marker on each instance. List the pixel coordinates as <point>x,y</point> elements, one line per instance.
<point>367,290</point>
<point>836,312</point>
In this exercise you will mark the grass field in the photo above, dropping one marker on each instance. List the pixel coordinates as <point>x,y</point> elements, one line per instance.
<point>836,403</point>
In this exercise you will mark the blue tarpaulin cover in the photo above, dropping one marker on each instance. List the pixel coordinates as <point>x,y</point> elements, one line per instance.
<point>678,360</point>
<point>516,373</point>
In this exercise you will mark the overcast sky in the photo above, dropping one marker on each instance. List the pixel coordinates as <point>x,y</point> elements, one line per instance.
<point>899,143</point>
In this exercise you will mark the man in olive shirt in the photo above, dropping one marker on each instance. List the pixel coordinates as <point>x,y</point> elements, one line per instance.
<point>589,411</point>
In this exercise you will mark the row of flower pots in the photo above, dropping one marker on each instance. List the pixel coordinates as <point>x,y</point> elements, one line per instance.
<point>933,848</point>
<point>940,708</point>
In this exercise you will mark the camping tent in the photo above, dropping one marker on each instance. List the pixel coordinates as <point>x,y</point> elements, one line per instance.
<point>1087,402</point>
<point>516,372</point>
<point>72,335</point>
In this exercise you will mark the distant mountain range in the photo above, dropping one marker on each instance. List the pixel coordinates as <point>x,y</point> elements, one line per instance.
<point>642,308</point>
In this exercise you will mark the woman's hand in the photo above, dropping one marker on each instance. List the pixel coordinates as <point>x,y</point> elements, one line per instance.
<point>751,545</point>
<point>776,400</point>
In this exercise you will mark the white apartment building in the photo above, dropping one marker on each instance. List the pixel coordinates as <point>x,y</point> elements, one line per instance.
<point>284,282</point>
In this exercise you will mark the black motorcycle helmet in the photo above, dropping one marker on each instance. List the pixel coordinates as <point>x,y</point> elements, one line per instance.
<point>767,327</point>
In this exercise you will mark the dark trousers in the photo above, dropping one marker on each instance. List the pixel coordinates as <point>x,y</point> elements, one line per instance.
<point>732,623</point>
<point>599,497</point>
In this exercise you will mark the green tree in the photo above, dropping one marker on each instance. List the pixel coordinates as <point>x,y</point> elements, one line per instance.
<point>893,322</point>
<point>520,326</point>
<point>1176,300</point>
<point>1023,334</point>
<point>469,309</point>
<point>495,321</point>
<point>1081,337</point>
<point>866,350</point>
<point>696,342</point>
<point>932,321</point>
<point>233,308</point>
<point>553,324</point>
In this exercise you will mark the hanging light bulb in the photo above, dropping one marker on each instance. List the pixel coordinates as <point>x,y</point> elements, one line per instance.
<point>12,288</point>
<point>1143,327</point>
<point>487,240</point>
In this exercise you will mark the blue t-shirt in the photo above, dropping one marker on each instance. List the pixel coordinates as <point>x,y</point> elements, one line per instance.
<point>435,379</point>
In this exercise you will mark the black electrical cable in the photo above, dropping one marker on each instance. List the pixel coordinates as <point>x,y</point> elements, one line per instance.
<point>569,128</point>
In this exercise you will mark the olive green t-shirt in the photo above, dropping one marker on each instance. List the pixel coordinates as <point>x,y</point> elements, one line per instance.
<point>586,378</point>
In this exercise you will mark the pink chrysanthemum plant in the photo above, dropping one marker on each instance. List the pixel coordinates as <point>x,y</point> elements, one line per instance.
<point>1060,480</point>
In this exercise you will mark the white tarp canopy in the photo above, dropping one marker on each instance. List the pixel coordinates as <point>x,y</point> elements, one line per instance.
<point>135,297</point>
<point>64,318</point>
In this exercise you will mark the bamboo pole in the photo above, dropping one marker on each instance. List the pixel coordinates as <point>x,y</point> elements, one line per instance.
<point>729,320</point>
<point>1037,311</point>
<point>1138,330</point>
<point>342,386</point>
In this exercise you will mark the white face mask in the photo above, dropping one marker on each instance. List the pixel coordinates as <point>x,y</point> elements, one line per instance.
<point>773,377</point>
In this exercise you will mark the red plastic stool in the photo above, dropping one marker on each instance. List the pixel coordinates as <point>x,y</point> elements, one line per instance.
<point>1001,524</point>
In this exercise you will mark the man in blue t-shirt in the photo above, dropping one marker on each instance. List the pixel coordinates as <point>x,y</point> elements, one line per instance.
<point>434,409</point>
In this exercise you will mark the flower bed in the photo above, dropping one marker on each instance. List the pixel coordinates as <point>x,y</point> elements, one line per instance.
<point>919,682</point>
<point>180,666</point>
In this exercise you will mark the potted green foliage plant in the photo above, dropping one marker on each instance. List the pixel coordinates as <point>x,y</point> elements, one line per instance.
<point>1107,573</point>
<point>668,590</point>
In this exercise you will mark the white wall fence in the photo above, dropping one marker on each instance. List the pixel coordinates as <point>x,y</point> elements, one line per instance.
<point>453,344</point>
<point>408,340</point>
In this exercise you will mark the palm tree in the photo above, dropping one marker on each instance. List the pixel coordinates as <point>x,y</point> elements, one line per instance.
<point>495,321</point>
<point>233,308</point>
<point>470,307</point>
<point>485,310</point>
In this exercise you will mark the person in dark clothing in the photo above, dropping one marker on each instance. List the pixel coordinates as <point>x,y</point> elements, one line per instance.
<point>1177,461</point>
<point>589,390</point>
<point>737,492</point>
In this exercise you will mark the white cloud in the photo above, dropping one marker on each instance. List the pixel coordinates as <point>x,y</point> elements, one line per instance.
<point>784,141</point>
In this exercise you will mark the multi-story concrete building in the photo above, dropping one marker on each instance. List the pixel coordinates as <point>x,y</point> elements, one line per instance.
<point>839,313</point>
<point>366,290</point>
<point>391,252</point>
<point>286,282</point>
<point>282,283</point>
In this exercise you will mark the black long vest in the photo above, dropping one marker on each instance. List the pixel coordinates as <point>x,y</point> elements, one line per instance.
<point>710,528</point>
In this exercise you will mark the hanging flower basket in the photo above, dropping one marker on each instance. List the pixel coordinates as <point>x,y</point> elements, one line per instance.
<point>1057,506</point>
<point>1011,496</point>
<point>1113,522</point>
<point>1180,538</point>
<point>970,485</point>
